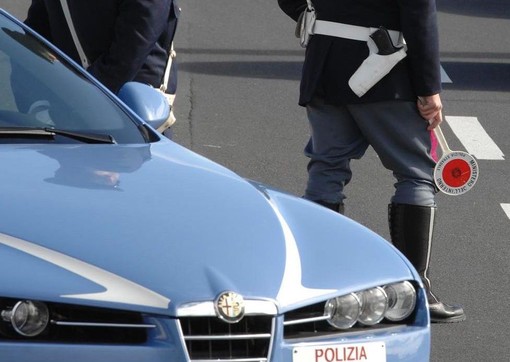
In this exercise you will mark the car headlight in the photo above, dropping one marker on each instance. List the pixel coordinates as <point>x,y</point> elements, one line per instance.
<point>343,311</point>
<point>395,302</point>
<point>401,300</point>
<point>374,304</point>
<point>28,318</point>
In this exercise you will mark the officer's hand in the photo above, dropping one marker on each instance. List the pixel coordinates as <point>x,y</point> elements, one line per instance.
<point>430,108</point>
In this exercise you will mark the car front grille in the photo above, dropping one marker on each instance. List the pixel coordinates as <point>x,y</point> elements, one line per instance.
<point>210,338</point>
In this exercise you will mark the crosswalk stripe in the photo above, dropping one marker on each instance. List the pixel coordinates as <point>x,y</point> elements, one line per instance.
<point>474,138</point>
<point>444,77</point>
<point>506,208</point>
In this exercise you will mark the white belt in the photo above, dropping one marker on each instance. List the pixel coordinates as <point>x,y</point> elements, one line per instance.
<point>352,32</point>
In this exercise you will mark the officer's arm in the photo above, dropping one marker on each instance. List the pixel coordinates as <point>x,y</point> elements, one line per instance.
<point>419,25</point>
<point>139,25</point>
<point>37,19</point>
<point>292,7</point>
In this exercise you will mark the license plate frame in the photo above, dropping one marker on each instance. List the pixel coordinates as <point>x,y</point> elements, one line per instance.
<point>341,352</point>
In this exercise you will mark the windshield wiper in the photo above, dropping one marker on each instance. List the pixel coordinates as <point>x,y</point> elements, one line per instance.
<point>50,132</point>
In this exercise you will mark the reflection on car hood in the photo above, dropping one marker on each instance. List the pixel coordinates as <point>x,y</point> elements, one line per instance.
<point>155,226</point>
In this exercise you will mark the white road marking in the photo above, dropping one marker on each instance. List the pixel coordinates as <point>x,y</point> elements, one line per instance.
<point>474,138</point>
<point>506,209</point>
<point>117,289</point>
<point>444,77</point>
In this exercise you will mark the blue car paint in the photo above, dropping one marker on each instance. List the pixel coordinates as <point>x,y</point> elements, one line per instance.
<point>145,218</point>
<point>146,102</point>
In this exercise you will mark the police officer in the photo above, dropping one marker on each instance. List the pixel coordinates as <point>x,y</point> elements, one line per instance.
<point>124,40</point>
<point>396,116</point>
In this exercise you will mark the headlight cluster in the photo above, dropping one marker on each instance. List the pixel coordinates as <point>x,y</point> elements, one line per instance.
<point>28,318</point>
<point>70,323</point>
<point>394,302</point>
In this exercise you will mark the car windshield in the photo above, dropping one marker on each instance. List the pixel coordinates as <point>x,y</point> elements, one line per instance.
<point>39,90</point>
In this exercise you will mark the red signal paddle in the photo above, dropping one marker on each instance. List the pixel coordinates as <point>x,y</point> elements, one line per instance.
<point>456,172</point>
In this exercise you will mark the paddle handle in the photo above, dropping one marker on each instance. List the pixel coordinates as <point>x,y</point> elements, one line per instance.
<point>442,140</point>
<point>439,134</point>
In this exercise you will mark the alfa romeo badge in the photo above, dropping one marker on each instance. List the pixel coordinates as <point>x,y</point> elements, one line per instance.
<point>229,307</point>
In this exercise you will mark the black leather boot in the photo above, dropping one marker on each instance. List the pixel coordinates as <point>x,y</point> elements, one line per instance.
<point>411,229</point>
<point>338,207</point>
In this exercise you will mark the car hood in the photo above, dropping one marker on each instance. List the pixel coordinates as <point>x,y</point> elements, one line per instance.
<point>150,227</point>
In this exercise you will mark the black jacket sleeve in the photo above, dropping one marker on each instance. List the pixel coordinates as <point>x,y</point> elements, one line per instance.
<point>38,20</point>
<point>138,27</point>
<point>419,26</point>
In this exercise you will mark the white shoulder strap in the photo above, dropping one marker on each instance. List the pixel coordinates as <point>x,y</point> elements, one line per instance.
<point>168,67</point>
<point>310,5</point>
<point>81,53</point>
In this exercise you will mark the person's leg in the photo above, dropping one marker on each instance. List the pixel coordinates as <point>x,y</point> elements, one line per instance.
<point>399,136</point>
<point>335,140</point>
<point>411,230</point>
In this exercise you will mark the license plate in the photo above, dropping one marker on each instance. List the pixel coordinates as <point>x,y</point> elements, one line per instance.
<point>366,352</point>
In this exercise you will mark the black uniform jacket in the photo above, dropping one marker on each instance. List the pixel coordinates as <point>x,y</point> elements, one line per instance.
<point>330,61</point>
<point>124,40</point>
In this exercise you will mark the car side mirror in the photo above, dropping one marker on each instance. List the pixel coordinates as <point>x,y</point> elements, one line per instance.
<point>147,102</point>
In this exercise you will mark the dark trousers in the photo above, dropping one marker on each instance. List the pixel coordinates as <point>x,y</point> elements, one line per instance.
<point>394,129</point>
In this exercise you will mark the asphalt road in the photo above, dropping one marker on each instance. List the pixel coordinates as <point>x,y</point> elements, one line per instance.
<point>237,104</point>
